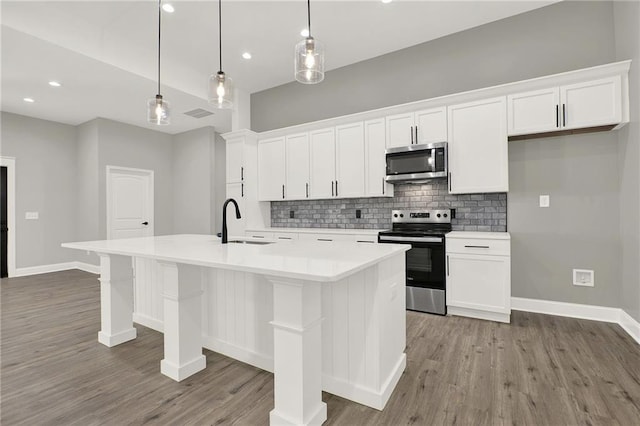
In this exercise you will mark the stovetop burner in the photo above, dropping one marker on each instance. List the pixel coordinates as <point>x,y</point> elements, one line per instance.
<point>420,222</point>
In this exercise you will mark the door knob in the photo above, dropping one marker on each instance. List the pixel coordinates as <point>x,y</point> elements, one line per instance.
<point>145,223</point>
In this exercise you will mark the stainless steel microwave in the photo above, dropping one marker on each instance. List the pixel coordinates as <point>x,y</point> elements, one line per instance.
<point>416,163</point>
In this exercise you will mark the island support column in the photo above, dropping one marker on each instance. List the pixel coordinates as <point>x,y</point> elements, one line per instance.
<point>182,293</point>
<point>116,300</point>
<point>297,357</point>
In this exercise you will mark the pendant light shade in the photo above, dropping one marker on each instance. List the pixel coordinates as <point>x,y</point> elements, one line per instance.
<point>220,85</point>
<point>158,108</point>
<point>309,59</point>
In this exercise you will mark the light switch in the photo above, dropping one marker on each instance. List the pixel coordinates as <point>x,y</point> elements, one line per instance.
<point>544,201</point>
<point>31,215</point>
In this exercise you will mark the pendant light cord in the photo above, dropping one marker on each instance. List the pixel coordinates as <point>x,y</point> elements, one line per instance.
<point>159,34</point>
<point>220,31</point>
<point>309,16</point>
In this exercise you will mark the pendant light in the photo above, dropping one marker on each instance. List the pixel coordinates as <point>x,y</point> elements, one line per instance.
<point>158,108</point>
<point>220,86</point>
<point>309,57</point>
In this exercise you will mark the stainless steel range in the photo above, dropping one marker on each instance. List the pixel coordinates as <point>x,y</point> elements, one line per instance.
<point>424,230</point>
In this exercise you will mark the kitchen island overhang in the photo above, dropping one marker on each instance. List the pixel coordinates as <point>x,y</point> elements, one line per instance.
<point>329,316</point>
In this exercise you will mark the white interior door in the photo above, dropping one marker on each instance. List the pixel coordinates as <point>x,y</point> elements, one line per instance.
<point>129,203</point>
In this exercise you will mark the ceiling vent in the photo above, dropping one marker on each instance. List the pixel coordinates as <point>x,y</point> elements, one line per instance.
<point>198,113</point>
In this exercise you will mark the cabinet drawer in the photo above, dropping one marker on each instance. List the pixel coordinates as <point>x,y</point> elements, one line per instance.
<point>326,237</point>
<point>365,238</point>
<point>478,246</point>
<point>285,236</point>
<point>259,234</point>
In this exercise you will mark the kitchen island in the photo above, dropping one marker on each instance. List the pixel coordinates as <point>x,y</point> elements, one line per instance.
<point>321,316</point>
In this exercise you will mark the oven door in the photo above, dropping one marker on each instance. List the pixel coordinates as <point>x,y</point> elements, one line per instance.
<point>425,271</point>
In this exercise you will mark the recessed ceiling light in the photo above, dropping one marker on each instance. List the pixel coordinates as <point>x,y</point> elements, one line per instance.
<point>246,55</point>
<point>28,100</point>
<point>168,8</point>
<point>54,83</point>
<point>387,1</point>
<point>304,33</point>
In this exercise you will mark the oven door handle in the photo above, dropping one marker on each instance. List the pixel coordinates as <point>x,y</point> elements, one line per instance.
<point>411,239</point>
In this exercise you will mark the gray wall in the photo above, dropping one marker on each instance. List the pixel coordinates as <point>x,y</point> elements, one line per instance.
<point>45,154</point>
<point>474,212</point>
<point>627,24</point>
<point>193,159</point>
<point>561,37</point>
<point>87,207</point>
<point>579,172</point>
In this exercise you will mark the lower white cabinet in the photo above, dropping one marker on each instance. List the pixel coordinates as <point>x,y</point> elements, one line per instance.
<point>479,275</point>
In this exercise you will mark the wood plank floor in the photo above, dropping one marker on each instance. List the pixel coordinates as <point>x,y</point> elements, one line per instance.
<point>539,370</point>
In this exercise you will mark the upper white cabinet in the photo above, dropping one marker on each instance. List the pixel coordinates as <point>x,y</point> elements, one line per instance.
<point>271,169</point>
<point>297,166</point>
<point>322,146</point>
<point>350,160</point>
<point>478,156</point>
<point>581,105</point>
<point>421,127</point>
<point>375,168</point>
<point>235,159</point>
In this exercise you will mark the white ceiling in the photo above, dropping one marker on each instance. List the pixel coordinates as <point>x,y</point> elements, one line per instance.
<point>105,53</point>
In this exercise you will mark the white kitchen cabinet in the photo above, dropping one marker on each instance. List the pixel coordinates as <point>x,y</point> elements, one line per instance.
<point>421,127</point>
<point>271,169</point>
<point>322,157</point>
<point>235,159</point>
<point>236,227</point>
<point>350,160</point>
<point>478,156</point>
<point>375,168</point>
<point>479,275</point>
<point>574,106</point>
<point>297,166</point>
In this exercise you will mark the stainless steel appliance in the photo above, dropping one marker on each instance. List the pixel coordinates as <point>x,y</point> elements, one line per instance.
<point>416,163</point>
<point>424,230</point>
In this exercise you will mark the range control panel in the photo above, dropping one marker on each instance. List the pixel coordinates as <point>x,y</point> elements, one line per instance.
<point>422,216</point>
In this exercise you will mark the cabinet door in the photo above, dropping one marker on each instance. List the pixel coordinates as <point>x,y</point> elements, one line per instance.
<point>350,160</point>
<point>400,130</point>
<point>375,165</point>
<point>235,163</point>
<point>431,125</point>
<point>297,175</point>
<point>478,157</point>
<point>479,282</point>
<point>594,103</point>
<point>235,227</point>
<point>323,163</point>
<point>534,112</point>
<point>271,171</point>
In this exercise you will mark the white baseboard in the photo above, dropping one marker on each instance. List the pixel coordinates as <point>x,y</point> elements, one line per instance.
<point>575,310</point>
<point>56,267</point>
<point>148,322</point>
<point>261,361</point>
<point>630,325</point>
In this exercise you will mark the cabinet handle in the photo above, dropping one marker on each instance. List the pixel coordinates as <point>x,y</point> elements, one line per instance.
<point>285,238</point>
<point>324,239</point>
<point>447,265</point>
<point>242,189</point>
<point>241,173</point>
<point>364,241</point>
<point>336,188</point>
<point>477,247</point>
<point>411,132</point>
<point>382,186</point>
<point>282,191</point>
<point>257,236</point>
<point>416,134</point>
<point>332,189</point>
<point>564,116</point>
<point>307,190</point>
<point>449,181</point>
<point>557,115</point>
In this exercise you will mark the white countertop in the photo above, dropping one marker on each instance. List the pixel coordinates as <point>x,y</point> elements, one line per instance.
<point>305,260</point>
<point>339,231</point>
<point>479,235</point>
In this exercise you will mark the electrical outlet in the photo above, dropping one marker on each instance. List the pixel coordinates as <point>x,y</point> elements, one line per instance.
<point>31,215</point>
<point>544,201</point>
<point>583,277</point>
<point>292,214</point>
<point>358,214</point>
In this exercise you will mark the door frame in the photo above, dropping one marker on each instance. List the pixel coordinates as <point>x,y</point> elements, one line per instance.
<point>111,170</point>
<point>10,164</point>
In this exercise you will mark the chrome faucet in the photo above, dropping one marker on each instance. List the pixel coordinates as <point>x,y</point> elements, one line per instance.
<point>224,218</point>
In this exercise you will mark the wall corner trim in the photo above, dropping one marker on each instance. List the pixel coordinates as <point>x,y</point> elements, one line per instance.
<point>575,310</point>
